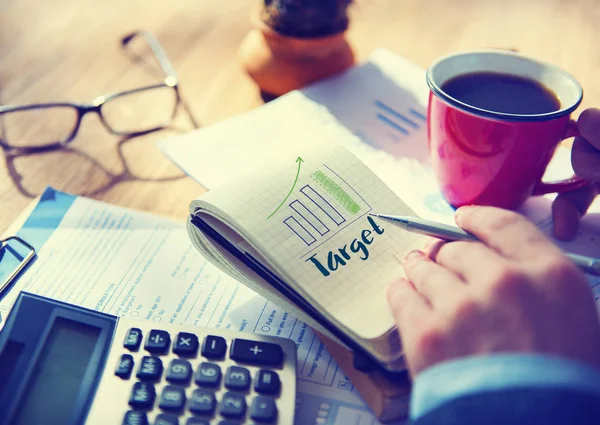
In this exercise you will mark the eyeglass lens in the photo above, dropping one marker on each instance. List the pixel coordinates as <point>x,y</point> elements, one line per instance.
<point>140,110</point>
<point>130,112</point>
<point>38,126</point>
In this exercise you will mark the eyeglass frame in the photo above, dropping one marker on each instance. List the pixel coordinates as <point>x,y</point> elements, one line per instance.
<point>170,81</point>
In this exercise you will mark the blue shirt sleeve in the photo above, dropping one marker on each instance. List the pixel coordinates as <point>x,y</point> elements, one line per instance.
<point>466,376</point>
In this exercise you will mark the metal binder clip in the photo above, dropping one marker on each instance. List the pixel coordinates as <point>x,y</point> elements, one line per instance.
<point>24,260</point>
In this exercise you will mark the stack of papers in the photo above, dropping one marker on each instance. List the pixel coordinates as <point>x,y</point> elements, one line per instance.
<point>138,265</point>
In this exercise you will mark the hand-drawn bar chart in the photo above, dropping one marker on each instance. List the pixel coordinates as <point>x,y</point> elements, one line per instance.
<point>319,201</point>
<point>323,207</point>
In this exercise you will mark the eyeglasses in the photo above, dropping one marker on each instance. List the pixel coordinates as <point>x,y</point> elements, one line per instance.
<point>124,113</point>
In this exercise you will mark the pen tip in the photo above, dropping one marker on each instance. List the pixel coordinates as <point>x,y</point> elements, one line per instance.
<point>374,215</point>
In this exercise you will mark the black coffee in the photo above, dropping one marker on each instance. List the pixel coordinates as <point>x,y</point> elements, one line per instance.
<point>504,93</point>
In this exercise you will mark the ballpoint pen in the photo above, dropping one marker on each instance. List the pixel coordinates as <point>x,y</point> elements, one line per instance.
<point>588,265</point>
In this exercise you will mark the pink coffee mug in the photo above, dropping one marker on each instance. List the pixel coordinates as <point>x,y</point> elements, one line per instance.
<point>485,157</point>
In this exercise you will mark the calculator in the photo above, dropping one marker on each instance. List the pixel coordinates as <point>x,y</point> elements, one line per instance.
<point>64,364</point>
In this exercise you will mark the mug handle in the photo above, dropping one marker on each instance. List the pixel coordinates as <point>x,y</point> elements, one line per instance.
<point>543,188</point>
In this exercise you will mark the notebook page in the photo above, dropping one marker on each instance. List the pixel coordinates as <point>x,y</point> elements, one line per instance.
<point>307,211</point>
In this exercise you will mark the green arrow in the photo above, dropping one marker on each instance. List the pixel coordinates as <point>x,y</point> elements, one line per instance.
<point>299,160</point>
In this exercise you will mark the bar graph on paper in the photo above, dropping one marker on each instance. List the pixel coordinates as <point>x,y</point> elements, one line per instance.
<point>398,121</point>
<point>323,207</point>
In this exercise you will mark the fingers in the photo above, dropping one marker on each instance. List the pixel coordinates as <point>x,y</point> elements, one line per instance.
<point>585,159</point>
<point>431,248</point>
<point>509,233</point>
<point>410,310</point>
<point>566,217</point>
<point>472,261</point>
<point>569,207</point>
<point>588,124</point>
<point>432,281</point>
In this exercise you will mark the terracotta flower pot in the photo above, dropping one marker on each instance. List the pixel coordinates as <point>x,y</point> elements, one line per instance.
<point>279,63</point>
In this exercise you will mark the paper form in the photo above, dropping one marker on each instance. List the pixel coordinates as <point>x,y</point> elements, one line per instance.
<point>127,263</point>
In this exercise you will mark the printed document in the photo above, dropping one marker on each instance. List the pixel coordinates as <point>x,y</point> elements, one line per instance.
<point>134,264</point>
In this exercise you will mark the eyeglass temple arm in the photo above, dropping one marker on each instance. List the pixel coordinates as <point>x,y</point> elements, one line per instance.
<point>157,50</point>
<point>163,61</point>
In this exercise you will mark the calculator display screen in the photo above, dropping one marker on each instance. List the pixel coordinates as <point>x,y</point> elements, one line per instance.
<point>53,389</point>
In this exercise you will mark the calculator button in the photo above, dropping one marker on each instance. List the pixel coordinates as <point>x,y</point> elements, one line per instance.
<point>197,421</point>
<point>237,378</point>
<point>202,401</point>
<point>172,398</point>
<point>267,382</point>
<point>142,395</point>
<point>186,344</point>
<point>233,405</point>
<point>165,419</point>
<point>214,347</point>
<point>179,371</point>
<point>150,369</point>
<point>158,341</point>
<point>263,409</point>
<point>133,339</point>
<point>208,374</point>
<point>125,366</point>
<point>134,417</point>
<point>255,352</point>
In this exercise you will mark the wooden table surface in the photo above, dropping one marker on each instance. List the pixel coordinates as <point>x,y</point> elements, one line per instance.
<point>57,50</point>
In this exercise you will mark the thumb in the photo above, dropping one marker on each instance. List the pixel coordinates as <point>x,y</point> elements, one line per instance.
<point>569,207</point>
<point>585,159</point>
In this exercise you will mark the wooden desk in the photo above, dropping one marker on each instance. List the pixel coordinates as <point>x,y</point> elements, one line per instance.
<point>68,50</point>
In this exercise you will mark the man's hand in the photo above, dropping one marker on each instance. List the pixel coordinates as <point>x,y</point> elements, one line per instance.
<point>569,207</point>
<point>513,292</point>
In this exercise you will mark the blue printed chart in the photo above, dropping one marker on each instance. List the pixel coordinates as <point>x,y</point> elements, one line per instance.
<point>400,123</point>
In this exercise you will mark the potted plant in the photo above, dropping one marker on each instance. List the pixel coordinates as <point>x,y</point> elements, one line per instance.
<point>296,42</point>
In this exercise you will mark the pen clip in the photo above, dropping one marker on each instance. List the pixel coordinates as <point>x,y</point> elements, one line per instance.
<point>24,260</point>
